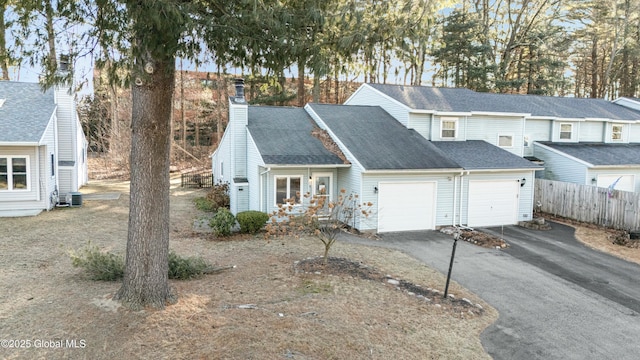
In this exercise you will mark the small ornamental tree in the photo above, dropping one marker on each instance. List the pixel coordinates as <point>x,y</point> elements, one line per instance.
<point>323,218</point>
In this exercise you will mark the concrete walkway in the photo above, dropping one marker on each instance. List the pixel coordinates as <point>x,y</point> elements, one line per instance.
<point>557,299</point>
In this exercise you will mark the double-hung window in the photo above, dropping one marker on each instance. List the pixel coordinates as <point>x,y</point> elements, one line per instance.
<point>287,188</point>
<point>566,131</point>
<point>616,132</point>
<point>13,172</point>
<point>448,127</point>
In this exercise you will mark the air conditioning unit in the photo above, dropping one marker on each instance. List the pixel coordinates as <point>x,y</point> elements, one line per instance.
<point>74,199</point>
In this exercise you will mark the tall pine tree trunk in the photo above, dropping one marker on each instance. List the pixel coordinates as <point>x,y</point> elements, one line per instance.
<point>146,274</point>
<point>4,59</point>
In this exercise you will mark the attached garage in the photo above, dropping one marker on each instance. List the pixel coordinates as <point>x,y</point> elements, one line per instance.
<point>493,202</point>
<point>406,206</point>
<point>622,182</point>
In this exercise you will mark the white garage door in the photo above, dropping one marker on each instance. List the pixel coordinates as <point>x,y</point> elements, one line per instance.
<point>406,206</point>
<point>626,182</point>
<point>493,203</point>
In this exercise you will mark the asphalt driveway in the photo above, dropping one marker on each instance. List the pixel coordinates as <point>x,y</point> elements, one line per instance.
<point>557,298</point>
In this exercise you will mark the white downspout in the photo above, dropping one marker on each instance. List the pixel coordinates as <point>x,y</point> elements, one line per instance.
<point>461,196</point>
<point>262,208</point>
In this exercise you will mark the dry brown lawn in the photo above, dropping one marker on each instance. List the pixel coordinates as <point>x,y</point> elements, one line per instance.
<point>261,309</point>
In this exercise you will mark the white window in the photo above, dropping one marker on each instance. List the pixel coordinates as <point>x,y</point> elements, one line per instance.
<point>448,127</point>
<point>14,173</point>
<point>288,187</point>
<point>221,168</point>
<point>616,132</point>
<point>566,131</point>
<point>527,142</point>
<point>505,140</point>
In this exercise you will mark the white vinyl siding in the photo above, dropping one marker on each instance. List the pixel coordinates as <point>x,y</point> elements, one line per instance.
<point>489,128</point>
<point>560,168</point>
<point>591,131</point>
<point>421,123</point>
<point>536,130</point>
<point>366,95</point>
<point>254,163</point>
<point>634,133</point>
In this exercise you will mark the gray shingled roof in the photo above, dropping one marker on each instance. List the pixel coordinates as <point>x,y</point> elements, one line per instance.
<point>599,154</point>
<point>479,154</point>
<point>378,141</point>
<point>26,112</point>
<point>464,100</point>
<point>283,137</point>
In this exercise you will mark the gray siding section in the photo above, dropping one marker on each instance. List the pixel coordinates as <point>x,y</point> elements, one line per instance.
<point>368,96</point>
<point>592,131</point>
<point>536,130</point>
<point>490,128</point>
<point>634,133</point>
<point>421,123</point>
<point>239,135</point>
<point>65,113</point>
<point>254,162</point>
<point>560,168</point>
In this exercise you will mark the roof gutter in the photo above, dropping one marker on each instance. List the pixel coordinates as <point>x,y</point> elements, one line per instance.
<point>413,171</point>
<point>287,166</point>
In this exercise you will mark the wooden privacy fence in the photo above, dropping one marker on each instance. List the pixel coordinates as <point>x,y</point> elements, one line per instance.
<point>197,180</point>
<point>590,204</point>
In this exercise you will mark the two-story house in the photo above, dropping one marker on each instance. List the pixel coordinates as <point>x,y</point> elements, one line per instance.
<point>42,148</point>
<point>384,154</point>
<point>584,141</point>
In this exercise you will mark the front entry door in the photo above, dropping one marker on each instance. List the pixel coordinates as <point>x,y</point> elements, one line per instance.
<point>322,186</point>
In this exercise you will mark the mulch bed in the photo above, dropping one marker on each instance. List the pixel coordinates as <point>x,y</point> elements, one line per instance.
<point>349,268</point>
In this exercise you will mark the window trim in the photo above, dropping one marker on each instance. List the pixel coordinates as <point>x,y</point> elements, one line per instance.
<point>506,146</point>
<point>560,138</point>
<point>612,133</point>
<point>455,127</point>
<point>288,177</point>
<point>10,187</point>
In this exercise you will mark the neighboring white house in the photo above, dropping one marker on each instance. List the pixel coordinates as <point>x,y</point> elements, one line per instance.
<point>269,154</point>
<point>43,151</point>
<point>585,141</point>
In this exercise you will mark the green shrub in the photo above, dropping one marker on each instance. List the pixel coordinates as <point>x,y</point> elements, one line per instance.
<point>222,222</point>
<point>204,204</point>
<point>99,265</point>
<point>219,196</point>
<point>181,268</point>
<point>251,221</point>
<point>106,266</point>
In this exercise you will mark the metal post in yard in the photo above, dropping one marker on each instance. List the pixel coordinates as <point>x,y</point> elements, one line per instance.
<point>453,254</point>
